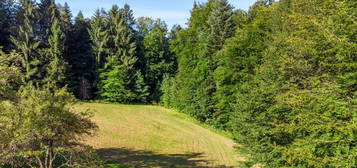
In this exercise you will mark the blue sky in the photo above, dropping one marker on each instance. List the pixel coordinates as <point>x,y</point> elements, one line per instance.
<point>171,11</point>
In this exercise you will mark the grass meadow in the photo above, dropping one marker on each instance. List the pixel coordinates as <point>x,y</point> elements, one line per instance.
<point>153,136</point>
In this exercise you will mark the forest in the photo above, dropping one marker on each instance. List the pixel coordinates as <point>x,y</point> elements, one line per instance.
<point>280,77</point>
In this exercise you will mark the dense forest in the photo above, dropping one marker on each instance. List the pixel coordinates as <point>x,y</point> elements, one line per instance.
<point>281,77</point>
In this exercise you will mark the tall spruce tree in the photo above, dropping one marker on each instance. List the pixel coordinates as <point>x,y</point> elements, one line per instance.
<point>56,70</point>
<point>82,72</point>
<point>25,40</point>
<point>128,16</point>
<point>119,76</point>
<point>221,24</point>
<point>99,36</point>
<point>48,13</point>
<point>66,17</point>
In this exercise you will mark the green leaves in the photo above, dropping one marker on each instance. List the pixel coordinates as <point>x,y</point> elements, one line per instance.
<point>40,125</point>
<point>292,114</point>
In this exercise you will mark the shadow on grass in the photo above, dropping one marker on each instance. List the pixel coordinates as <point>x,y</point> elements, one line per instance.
<point>140,158</point>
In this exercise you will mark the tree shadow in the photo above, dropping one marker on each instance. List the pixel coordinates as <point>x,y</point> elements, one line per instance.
<point>141,158</point>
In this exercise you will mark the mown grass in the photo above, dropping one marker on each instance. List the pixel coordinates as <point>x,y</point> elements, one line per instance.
<point>152,136</point>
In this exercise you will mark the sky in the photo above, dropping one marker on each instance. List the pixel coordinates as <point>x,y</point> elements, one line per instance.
<point>171,11</point>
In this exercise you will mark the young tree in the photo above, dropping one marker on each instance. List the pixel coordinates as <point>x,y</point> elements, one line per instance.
<point>41,129</point>
<point>9,75</point>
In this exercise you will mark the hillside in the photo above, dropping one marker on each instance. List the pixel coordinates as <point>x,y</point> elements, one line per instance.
<point>152,136</point>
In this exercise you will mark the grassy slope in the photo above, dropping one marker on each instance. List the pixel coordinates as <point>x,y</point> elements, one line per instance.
<point>152,136</point>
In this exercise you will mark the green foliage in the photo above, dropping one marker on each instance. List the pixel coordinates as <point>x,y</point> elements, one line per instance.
<point>209,27</point>
<point>39,126</point>
<point>141,89</point>
<point>115,85</point>
<point>25,40</point>
<point>6,24</point>
<point>221,24</point>
<point>57,67</point>
<point>296,112</point>
<point>99,38</point>
<point>281,76</point>
<point>10,76</point>
<point>238,60</point>
<point>119,80</point>
<point>81,62</point>
<point>156,59</point>
<point>284,84</point>
<point>168,88</point>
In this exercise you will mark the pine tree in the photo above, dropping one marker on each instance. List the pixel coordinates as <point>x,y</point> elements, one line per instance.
<point>56,70</point>
<point>128,16</point>
<point>99,37</point>
<point>141,91</point>
<point>111,19</point>
<point>221,24</point>
<point>26,41</point>
<point>82,72</point>
<point>6,22</point>
<point>66,17</point>
<point>118,78</point>
<point>48,13</point>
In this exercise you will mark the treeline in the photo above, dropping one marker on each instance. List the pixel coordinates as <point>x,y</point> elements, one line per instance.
<point>281,77</point>
<point>111,57</point>
<point>47,57</point>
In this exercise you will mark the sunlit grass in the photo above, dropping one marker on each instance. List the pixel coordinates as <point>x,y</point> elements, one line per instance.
<point>152,136</point>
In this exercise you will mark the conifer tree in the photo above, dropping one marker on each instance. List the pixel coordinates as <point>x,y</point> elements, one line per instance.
<point>56,70</point>
<point>25,40</point>
<point>82,72</point>
<point>194,70</point>
<point>128,16</point>
<point>6,22</point>
<point>118,77</point>
<point>66,17</point>
<point>48,13</point>
<point>99,37</point>
<point>221,24</point>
